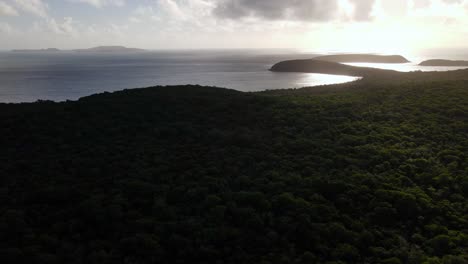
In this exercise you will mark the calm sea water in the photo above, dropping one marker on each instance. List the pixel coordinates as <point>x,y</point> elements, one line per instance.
<point>26,77</point>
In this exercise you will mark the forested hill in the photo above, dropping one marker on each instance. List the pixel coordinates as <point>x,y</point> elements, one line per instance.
<point>189,174</point>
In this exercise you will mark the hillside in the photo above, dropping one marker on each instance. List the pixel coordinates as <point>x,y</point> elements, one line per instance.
<point>364,58</point>
<point>366,172</point>
<point>326,67</point>
<point>444,63</point>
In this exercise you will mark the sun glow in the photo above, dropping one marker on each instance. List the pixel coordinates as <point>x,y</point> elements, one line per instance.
<point>392,29</point>
<point>367,38</point>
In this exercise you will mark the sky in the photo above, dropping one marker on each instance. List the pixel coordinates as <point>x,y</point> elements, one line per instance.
<point>384,26</point>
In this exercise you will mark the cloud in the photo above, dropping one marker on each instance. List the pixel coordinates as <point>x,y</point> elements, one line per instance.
<point>453,1</point>
<point>427,3</point>
<point>176,15</point>
<point>302,10</point>
<point>101,3</point>
<point>64,27</point>
<point>35,7</point>
<point>7,10</point>
<point>421,3</point>
<point>172,9</point>
<point>5,28</point>
<point>395,8</point>
<point>363,9</point>
<point>142,13</point>
<point>292,10</point>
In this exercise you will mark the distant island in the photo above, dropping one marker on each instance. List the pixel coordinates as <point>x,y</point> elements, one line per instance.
<point>110,49</point>
<point>37,50</point>
<point>363,58</point>
<point>444,63</point>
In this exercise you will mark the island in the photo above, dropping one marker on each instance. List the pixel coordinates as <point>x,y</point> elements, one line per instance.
<point>120,49</point>
<point>37,50</point>
<point>447,63</point>
<point>117,49</point>
<point>363,58</point>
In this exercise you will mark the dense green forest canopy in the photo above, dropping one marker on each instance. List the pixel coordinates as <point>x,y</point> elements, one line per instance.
<point>366,172</point>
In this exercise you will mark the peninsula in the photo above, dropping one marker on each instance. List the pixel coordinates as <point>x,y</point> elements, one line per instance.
<point>326,67</point>
<point>363,58</point>
<point>447,63</point>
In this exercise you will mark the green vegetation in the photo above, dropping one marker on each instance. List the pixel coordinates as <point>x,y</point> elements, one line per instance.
<point>354,173</point>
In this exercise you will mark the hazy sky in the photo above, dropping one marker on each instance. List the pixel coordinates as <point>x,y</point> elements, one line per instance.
<point>347,25</point>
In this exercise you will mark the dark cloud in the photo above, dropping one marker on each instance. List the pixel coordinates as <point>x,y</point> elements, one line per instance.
<point>299,10</point>
<point>303,10</point>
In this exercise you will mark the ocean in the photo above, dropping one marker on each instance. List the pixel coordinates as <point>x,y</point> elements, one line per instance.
<point>60,76</point>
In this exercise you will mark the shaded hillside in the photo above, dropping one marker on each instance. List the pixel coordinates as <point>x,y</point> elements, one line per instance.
<point>444,63</point>
<point>325,67</point>
<point>365,58</point>
<point>189,174</point>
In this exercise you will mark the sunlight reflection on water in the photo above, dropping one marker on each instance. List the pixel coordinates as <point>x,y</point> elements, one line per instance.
<point>315,79</point>
<point>404,67</point>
